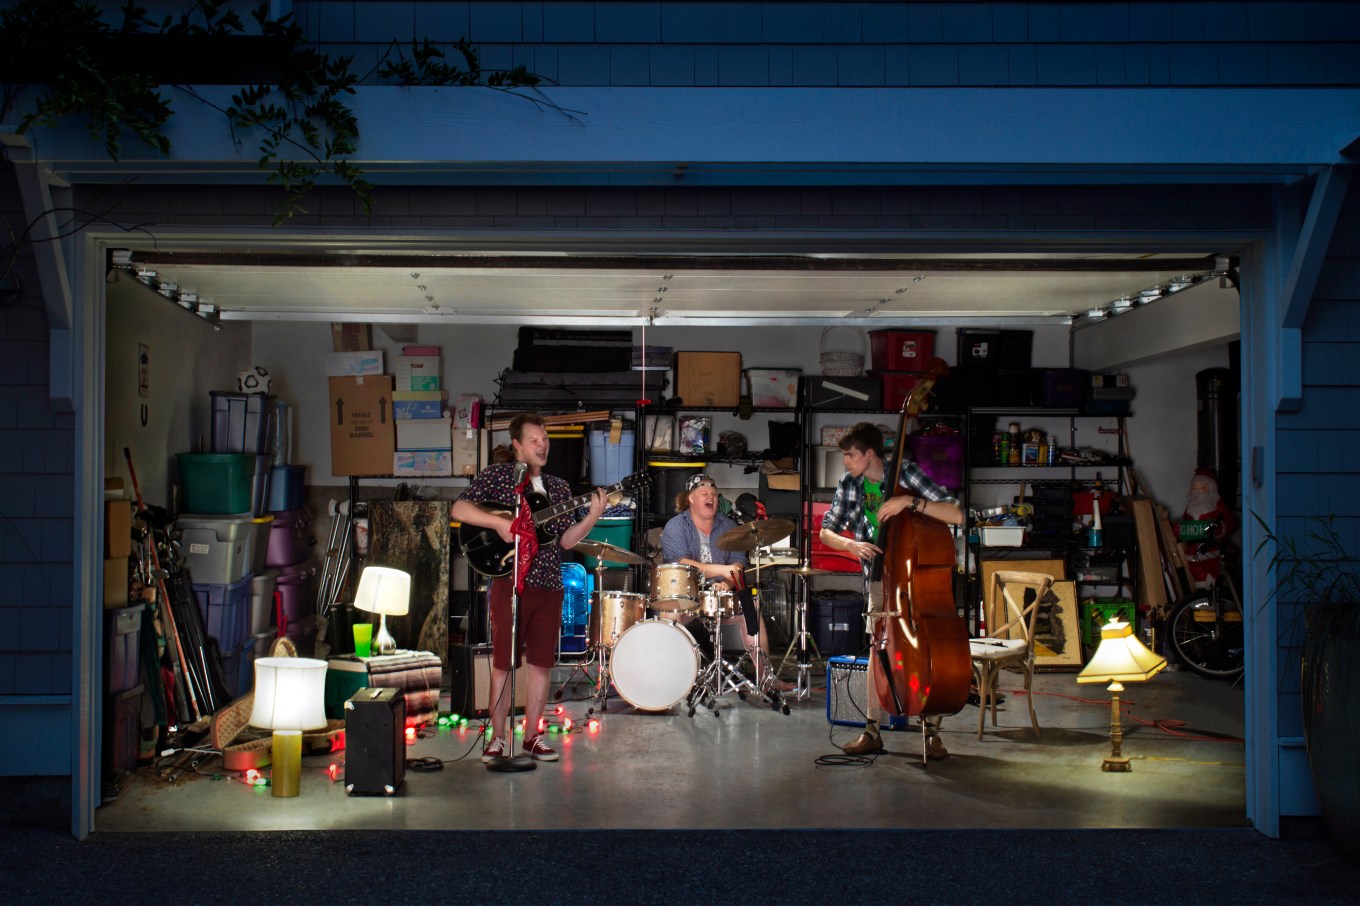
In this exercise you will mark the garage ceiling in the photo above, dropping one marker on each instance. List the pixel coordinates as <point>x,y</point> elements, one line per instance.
<point>577,289</point>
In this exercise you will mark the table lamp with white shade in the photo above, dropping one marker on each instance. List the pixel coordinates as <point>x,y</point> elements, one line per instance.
<point>383,590</point>
<point>1120,659</point>
<point>290,697</point>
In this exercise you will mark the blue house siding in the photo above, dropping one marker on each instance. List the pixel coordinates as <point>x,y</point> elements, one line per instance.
<point>869,43</point>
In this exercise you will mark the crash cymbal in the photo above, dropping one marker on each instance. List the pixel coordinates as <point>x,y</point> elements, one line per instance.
<point>752,535</point>
<point>602,550</point>
<point>804,571</point>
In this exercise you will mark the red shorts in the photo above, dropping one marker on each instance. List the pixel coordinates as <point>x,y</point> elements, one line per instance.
<point>540,624</point>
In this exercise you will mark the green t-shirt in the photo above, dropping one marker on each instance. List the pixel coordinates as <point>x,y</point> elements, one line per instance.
<point>873,499</point>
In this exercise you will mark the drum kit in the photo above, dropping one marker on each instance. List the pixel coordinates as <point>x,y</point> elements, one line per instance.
<point>654,663</point>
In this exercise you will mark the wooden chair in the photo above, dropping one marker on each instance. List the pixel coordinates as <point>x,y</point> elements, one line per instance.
<point>1012,643</point>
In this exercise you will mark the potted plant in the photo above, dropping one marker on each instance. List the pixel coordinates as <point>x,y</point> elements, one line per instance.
<point>1318,576</point>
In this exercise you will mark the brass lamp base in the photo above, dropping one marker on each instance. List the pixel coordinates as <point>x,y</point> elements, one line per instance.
<point>286,755</point>
<point>1116,765</point>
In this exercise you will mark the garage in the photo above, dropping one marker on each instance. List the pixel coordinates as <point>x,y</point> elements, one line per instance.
<point>1133,195</point>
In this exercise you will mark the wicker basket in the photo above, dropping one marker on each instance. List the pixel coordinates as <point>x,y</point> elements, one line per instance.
<point>842,364</point>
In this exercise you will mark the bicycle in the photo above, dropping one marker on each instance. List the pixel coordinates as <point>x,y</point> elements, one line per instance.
<point>1206,629</point>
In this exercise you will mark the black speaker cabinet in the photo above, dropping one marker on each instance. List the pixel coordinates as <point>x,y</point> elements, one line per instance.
<point>375,744</point>
<point>470,681</point>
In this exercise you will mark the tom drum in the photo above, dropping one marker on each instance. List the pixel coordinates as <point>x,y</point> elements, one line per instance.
<point>675,586</point>
<point>719,605</point>
<point>613,613</point>
<point>654,665</point>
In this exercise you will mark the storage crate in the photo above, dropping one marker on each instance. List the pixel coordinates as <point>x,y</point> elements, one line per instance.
<point>940,456</point>
<point>615,530</point>
<point>1060,388</point>
<point>238,668</point>
<point>981,347</point>
<point>263,606</point>
<point>773,388</point>
<point>288,538</point>
<point>286,485</point>
<point>124,634</point>
<point>896,386</point>
<point>611,462</point>
<point>241,422</point>
<point>901,350</point>
<point>226,612</point>
<point>1096,612</point>
<point>219,550</point>
<point>215,484</point>
<point>823,557</point>
<point>837,619</point>
<point>296,602</point>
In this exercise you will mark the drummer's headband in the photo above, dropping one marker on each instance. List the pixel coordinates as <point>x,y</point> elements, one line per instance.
<point>696,480</point>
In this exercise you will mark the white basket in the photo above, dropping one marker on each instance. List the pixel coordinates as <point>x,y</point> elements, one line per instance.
<point>842,364</point>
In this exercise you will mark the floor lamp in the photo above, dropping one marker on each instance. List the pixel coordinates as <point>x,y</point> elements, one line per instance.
<point>1120,659</point>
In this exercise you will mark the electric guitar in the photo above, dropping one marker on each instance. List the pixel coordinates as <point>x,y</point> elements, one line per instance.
<point>491,556</point>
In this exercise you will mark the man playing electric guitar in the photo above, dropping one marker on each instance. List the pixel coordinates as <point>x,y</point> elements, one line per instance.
<point>540,602</point>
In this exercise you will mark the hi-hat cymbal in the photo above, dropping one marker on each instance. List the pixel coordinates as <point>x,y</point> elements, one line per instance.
<point>804,571</point>
<point>752,535</point>
<point>602,550</point>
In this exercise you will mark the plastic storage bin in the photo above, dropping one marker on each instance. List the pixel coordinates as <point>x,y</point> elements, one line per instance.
<point>215,484</point>
<point>610,463</point>
<point>773,388</point>
<point>288,538</point>
<point>295,601</point>
<point>901,350</point>
<point>226,612</point>
<point>241,423</point>
<point>218,550</point>
<point>940,456</point>
<point>1060,388</point>
<point>238,668</point>
<point>617,531</point>
<point>263,590</point>
<point>837,619</point>
<point>286,488</point>
<point>896,386</point>
<point>980,347</point>
<point>124,640</point>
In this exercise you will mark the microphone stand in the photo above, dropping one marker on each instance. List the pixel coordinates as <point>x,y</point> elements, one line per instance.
<point>507,763</point>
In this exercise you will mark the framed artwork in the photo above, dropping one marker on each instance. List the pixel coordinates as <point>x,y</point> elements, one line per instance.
<point>1057,637</point>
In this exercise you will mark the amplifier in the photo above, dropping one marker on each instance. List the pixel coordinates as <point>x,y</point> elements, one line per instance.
<point>470,681</point>
<point>375,744</point>
<point>845,692</point>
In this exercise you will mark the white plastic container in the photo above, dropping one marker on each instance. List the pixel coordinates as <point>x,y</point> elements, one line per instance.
<point>1002,535</point>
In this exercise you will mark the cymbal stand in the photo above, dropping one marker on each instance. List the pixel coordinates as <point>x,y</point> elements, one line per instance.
<point>708,685</point>
<point>600,698</point>
<point>802,640</point>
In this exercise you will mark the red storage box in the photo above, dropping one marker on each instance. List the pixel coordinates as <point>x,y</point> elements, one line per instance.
<point>901,350</point>
<point>896,386</point>
<point>824,557</point>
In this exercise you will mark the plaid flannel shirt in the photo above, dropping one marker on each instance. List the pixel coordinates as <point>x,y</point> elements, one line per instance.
<point>847,506</point>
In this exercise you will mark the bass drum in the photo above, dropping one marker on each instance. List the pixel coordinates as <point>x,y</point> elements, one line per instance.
<point>654,665</point>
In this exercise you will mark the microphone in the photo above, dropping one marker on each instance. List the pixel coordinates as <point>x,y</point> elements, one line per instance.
<point>521,469</point>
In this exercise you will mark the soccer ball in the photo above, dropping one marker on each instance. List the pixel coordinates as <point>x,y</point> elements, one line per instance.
<point>254,379</point>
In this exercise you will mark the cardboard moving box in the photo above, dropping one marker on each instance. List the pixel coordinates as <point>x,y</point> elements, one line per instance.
<point>708,378</point>
<point>362,437</point>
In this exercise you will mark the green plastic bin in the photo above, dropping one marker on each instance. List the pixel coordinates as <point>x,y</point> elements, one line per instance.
<point>615,530</point>
<point>215,484</point>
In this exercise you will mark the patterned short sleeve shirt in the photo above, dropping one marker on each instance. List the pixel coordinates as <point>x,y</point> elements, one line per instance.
<point>496,485</point>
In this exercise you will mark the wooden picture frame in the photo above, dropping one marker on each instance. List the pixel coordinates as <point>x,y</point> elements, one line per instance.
<point>1057,634</point>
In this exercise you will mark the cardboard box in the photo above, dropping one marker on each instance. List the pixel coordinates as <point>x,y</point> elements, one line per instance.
<point>362,435</point>
<point>351,337</point>
<point>430,463</point>
<point>417,404</point>
<point>708,378</point>
<point>117,528</point>
<point>424,433</point>
<point>418,372</point>
<point>340,364</point>
<point>466,455</point>
<point>115,582</point>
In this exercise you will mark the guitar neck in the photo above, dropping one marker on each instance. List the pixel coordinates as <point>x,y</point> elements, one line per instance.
<point>549,513</point>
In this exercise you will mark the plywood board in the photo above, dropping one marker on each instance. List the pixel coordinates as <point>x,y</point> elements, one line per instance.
<point>1151,584</point>
<point>1057,633</point>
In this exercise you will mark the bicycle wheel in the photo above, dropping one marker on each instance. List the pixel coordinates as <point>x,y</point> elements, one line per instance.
<point>1206,641</point>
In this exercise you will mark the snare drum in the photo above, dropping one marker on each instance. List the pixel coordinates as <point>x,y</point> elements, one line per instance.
<point>654,665</point>
<point>675,586</point>
<point>613,613</point>
<point>719,603</point>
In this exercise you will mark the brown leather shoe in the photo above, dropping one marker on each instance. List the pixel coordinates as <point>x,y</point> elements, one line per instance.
<point>866,743</point>
<point>935,748</point>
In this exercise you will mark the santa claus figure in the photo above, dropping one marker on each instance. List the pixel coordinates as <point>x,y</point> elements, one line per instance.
<point>1203,557</point>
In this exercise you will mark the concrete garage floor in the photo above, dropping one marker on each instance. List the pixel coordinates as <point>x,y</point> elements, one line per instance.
<point>750,767</point>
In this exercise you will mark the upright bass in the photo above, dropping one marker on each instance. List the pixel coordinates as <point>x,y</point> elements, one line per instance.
<point>922,666</point>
